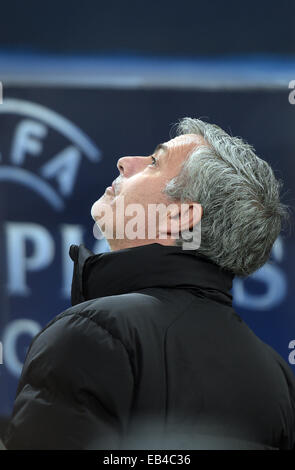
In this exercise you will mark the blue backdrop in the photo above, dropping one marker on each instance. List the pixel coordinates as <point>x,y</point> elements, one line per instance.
<point>58,152</point>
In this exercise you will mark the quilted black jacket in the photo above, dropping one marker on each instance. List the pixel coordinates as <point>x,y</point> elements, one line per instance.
<point>151,355</point>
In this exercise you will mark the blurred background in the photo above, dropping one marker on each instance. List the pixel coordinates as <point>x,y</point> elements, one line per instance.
<point>85,83</point>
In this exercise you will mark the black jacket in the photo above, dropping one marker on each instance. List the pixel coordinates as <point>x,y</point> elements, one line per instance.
<point>151,355</point>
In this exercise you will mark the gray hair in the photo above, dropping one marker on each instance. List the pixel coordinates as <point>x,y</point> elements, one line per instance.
<point>240,196</point>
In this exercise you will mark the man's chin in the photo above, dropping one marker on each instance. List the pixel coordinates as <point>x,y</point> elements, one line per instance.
<point>95,209</point>
<point>102,208</point>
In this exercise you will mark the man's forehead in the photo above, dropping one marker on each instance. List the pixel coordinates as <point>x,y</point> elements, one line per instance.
<point>181,145</point>
<point>186,140</point>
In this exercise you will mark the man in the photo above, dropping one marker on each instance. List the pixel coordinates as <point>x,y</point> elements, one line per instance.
<point>152,355</point>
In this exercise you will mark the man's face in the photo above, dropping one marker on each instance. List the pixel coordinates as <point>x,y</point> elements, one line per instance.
<point>141,181</point>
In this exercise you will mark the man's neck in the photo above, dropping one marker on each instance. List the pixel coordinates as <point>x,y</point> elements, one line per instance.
<point>118,244</point>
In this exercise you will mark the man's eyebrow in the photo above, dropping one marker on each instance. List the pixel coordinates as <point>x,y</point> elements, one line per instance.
<point>161,147</point>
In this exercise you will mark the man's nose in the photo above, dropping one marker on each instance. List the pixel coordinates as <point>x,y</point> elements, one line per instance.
<point>128,166</point>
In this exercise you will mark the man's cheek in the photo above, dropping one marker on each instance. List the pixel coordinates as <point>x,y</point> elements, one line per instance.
<point>133,195</point>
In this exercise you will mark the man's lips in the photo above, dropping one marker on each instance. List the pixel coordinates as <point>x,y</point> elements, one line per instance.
<point>112,189</point>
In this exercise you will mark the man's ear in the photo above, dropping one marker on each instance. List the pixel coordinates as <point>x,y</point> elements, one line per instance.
<point>181,217</point>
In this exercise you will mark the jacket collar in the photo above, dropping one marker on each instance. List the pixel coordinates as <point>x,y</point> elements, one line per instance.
<point>140,267</point>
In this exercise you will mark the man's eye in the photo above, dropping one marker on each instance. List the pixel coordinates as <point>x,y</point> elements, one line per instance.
<point>154,161</point>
